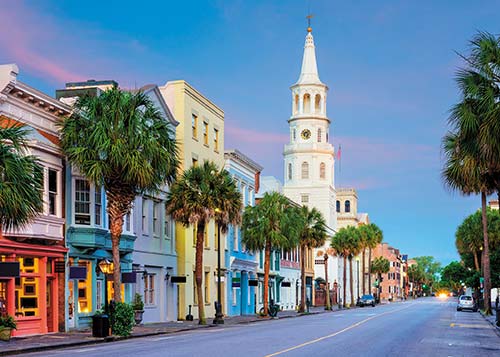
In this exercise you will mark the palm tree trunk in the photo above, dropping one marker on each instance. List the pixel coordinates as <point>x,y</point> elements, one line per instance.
<point>198,272</point>
<point>476,261</point>
<point>363,267</point>
<point>115,229</point>
<point>327,289</point>
<point>345,280</point>
<point>370,269</point>
<point>267,263</point>
<point>302,278</point>
<point>486,258</point>
<point>351,289</point>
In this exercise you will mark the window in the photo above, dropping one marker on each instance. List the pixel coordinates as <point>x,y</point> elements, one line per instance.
<point>289,171</point>
<point>347,206</point>
<point>307,103</point>
<point>294,135</point>
<point>326,137</point>
<point>99,294</point>
<point>167,228</point>
<point>216,139</point>
<point>235,296</point>
<point>52,191</point>
<point>305,170</point>
<point>304,198</point>
<point>244,194</point>
<point>144,215</point>
<point>207,287</point>
<point>205,133</point>
<point>156,219</point>
<point>149,289</point>
<point>317,103</point>
<point>194,126</point>
<point>82,202</point>
<point>319,135</point>
<point>195,295</point>
<point>338,206</point>
<point>322,170</point>
<point>127,222</point>
<point>235,238</point>
<point>194,162</point>
<point>98,206</point>
<point>296,104</point>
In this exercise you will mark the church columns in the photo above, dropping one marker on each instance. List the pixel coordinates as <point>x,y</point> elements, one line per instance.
<point>301,104</point>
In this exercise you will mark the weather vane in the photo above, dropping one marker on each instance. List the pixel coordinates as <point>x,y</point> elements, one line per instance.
<point>309,17</point>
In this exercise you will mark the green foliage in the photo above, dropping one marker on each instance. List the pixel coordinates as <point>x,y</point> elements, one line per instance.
<point>138,304</point>
<point>8,321</point>
<point>312,227</point>
<point>430,269</point>
<point>21,180</point>
<point>380,265</point>
<point>454,274</point>
<point>122,319</point>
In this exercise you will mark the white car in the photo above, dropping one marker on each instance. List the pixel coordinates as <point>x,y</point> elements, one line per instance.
<point>466,302</point>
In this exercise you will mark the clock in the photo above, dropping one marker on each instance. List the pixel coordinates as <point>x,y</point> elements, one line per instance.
<point>306,134</point>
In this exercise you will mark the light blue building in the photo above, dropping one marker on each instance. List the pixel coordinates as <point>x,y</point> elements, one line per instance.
<point>242,265</point>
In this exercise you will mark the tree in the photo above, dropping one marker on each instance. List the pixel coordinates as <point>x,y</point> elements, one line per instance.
<point>416,276</point>
<point>430,269</point>
<point>472,149</point>
<point>270,225</point>
<point>120,141</point>
<point>454,274</point>
<point>21,180</point>
<point>364,237</point>
<point>340,244</point>
<point>312,234</point>
<point>355,247</point>
<point>380,265</point>
<point>374,238</point>
<point>201,194</point>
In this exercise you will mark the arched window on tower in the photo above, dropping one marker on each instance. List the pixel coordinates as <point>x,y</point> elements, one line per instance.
<point>294,135</point>
<point>289,170</point>
<point>347,206</point>
<point>319,135</point>
<point>322,170</point>
<point>338,206</point>
<point>307,103</point>
<point>317,103</point>
<point>327,137</point>
<point>296,104</point>
<point>305,170</point>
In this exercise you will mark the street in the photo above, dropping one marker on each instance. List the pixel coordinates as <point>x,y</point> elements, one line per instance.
<point>425,327</point>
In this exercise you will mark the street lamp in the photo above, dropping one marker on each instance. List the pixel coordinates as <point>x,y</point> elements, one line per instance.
<point>106,267</point>
<point>219,320</point>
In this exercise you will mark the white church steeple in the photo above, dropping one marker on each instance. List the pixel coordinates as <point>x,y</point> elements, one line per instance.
<point>309,71</point>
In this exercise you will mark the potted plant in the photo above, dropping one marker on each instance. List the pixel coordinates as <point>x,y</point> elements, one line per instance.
<point>138,306</point>
<point>7,324</point>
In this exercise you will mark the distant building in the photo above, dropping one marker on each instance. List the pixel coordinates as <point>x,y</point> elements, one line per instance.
<point>391,285</point>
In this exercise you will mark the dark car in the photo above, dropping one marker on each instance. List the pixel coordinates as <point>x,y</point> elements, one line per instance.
<point>366,300</point>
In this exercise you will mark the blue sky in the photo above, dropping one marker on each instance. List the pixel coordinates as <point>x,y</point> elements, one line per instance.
<point>389,65</point>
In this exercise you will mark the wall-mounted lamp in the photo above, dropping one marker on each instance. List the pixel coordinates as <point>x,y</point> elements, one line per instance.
<point>167,277</point>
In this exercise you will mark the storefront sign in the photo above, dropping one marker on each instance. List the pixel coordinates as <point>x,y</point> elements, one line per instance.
<point>79,273</point>
<point>60,267</point>
<point>9,269</point>
<point>285,284</point>
<point>178,279</point>
<point>253,282</point>
<point>129,278</point>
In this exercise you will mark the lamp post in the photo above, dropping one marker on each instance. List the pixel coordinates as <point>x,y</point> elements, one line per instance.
<point>218,306</point>
<point>106,268</point>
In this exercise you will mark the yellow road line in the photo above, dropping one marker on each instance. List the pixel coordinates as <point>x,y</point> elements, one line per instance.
<point>334,334</point>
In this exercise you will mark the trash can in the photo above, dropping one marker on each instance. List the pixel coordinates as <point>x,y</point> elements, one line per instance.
<point>100,326</point>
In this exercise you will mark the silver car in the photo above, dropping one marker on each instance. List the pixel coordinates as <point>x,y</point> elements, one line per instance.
<point>466,302</point>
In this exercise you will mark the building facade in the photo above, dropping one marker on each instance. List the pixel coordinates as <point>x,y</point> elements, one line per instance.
<point>200,134</point>
<point>35,294</point>
<point>309,155</point>
<point>391,286</point>
<point>242,264</point>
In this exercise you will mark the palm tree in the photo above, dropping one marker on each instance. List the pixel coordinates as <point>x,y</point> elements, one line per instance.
<point>364,236</point>
<point>472,149</point>
<point>380,265</point>
<point>329,251</point>
<point>375,238</point>
<point>354,247</point>
<point>120,141</point>
<point>468,241</point>
<point>340,244</point>
<point>201,194</point>
<point>21,180</point>
<point>312,234</point>
<point>270,225</point>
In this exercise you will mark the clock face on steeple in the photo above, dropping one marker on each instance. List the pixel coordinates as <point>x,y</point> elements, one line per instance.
<point>306,134</point>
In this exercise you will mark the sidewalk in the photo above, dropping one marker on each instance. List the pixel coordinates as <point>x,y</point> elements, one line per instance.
<point>492,320</point>
<point>36,343</point>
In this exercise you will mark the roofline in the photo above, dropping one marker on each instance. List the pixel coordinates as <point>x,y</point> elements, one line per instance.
<point>238,155</point>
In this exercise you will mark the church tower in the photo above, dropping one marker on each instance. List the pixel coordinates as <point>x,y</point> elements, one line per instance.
<point>309,157</point>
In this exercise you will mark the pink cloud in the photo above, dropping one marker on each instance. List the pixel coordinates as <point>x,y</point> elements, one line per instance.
<point>24,43</point>
<point>252,136</point>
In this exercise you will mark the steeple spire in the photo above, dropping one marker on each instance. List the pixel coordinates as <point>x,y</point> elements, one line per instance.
<point>309,71</point>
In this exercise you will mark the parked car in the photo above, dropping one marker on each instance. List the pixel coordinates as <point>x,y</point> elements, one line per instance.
<point>466,302</point>
<point>366,300</point>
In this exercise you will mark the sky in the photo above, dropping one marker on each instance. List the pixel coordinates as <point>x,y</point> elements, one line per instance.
<point>389,65</point>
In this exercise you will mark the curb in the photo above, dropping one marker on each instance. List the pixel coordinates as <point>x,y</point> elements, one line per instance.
<point>492,322</point>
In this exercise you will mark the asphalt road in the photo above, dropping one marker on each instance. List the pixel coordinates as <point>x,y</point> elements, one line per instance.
<point>426,327</point>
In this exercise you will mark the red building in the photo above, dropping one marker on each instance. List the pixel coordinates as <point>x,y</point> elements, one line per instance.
<point>32,286</point>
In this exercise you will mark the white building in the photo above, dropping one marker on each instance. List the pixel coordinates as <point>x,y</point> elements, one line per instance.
<point>309,156</point>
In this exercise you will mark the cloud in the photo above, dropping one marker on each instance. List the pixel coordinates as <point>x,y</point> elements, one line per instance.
<point>253,136</point>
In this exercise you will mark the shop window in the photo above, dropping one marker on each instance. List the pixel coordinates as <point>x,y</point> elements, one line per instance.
<point>84,293</point>
<point>27,287</point>
<point>149,289</point>
<point>52,192</point>
<point>82,202</point>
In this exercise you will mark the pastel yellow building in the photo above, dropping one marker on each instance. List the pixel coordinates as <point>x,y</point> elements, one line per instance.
<point>200,134</point>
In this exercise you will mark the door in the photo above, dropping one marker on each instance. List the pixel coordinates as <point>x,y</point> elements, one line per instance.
<point>50,305</point>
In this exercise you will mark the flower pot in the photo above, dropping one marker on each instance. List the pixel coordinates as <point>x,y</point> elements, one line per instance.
<point>138,316</point>
<point>5,333</point>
